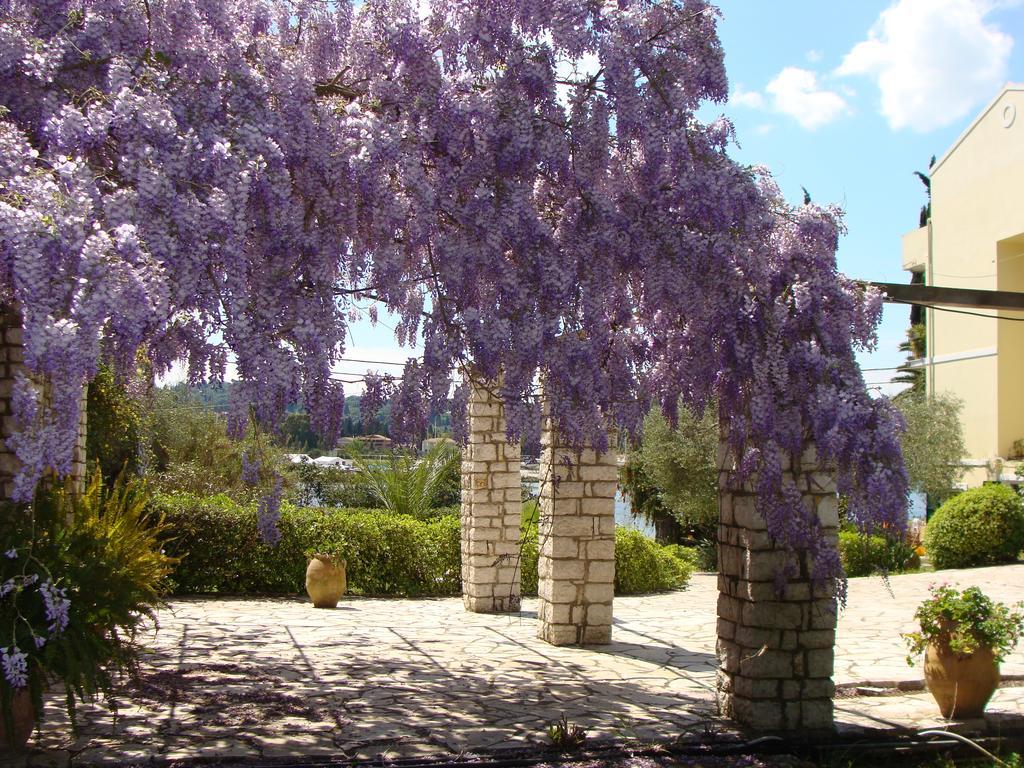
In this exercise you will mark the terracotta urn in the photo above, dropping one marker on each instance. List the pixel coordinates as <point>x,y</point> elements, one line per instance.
<point>24,716</point>
<point>962,684</point>
<point>325,581</point>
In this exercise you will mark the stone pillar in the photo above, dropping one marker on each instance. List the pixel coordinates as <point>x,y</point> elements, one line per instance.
<point>491,509</point>
<point>79,467</point>
<point>775,651</point>
<point>12,358</point>
<point>576,565</point>
<point>12,362</point>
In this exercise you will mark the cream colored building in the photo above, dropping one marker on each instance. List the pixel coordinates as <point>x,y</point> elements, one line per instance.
<point>975,239</point>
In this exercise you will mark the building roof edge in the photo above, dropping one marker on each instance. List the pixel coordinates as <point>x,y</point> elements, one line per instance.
<point>974,123</point>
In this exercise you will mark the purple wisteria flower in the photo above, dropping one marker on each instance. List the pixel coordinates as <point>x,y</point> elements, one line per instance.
<point>57,605</point>
<point>15,666</point>
<point>250,470</point>
<point>527,187</point>
<point>268,512</point>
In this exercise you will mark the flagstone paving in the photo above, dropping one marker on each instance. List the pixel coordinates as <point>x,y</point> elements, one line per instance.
<point>275,677</point>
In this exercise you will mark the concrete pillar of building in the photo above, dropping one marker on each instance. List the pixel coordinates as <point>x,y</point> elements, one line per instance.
<point>491,509</point>
<point>775,650</point>
<point>576,566</point>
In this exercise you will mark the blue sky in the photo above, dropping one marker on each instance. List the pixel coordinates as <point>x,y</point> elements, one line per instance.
<point>848,98</point>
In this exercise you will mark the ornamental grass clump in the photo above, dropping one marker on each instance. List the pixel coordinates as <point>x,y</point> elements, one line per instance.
<point>965,622</point>
<point>80,576</point>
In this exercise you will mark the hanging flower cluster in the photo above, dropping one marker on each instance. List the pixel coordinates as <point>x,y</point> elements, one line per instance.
<point>524,183</point>
<point>38,610</point>
<point>169,177</point>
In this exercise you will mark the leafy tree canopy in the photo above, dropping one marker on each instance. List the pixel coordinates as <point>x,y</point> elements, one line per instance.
<point>673,471</point>
<point>933,444</point>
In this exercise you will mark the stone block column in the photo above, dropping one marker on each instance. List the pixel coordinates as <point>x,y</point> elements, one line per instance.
<point>576,567</point>
<point>775,650</point>
<point>491,509</point>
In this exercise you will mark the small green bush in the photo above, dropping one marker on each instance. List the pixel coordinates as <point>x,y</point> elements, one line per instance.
<point>703,556</point>
<point>863,555</point>
<point>643,565</point>
<point>981,526</point>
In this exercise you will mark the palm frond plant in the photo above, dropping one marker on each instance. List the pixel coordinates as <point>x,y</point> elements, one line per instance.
<point>81,575</point>
<point>406,485</point>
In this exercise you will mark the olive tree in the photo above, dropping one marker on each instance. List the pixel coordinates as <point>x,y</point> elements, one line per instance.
<point>672,472</point>
<point>933,443</point>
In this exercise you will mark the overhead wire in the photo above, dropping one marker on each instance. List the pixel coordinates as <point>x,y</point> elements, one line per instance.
<point>968,312</point>
<point>371,362</point>
<point>978,277</point>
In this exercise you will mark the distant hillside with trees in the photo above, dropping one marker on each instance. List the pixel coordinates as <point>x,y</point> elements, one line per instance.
<point>295,430</point>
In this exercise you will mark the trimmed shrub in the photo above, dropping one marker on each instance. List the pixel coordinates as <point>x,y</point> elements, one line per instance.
<point>643,565</point>
<point>703,556</point>
<point>863,555</point>
<point>388,554</point>
<point>981,526</point>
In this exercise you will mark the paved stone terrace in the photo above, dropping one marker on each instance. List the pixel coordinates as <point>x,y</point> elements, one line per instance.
<point>275,677</point>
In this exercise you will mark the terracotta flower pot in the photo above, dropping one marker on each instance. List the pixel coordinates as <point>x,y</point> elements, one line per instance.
<point>325,581</point>
<point>961,684</point>
<point>24,715</point>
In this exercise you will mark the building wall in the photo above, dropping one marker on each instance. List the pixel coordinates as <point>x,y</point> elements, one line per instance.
<point>1011,339</point>
<point>976,228</point>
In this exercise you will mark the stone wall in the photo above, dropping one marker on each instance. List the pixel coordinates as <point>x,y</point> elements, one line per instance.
<point>576,567</point>
<point>491,509</point>
<point>775,651</point>
<point>12,362</point>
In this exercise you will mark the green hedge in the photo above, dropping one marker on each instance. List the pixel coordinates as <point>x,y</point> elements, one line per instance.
<point>387,554</point>
<point>864,555</point>
<point>220,550</point>
<point>981,526</point>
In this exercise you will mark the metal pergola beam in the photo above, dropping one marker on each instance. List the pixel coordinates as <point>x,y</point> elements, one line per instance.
<point>934,295</point>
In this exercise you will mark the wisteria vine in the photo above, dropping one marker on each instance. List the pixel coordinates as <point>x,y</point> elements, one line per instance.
<point>30,581</point>
<point>524,183</point>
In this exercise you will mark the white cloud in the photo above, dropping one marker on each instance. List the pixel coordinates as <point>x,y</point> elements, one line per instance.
<point>751,99</point>
<point>933,60</point>
<point>813,56</point>
<point>763,128</point>
<point>796,92</point>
